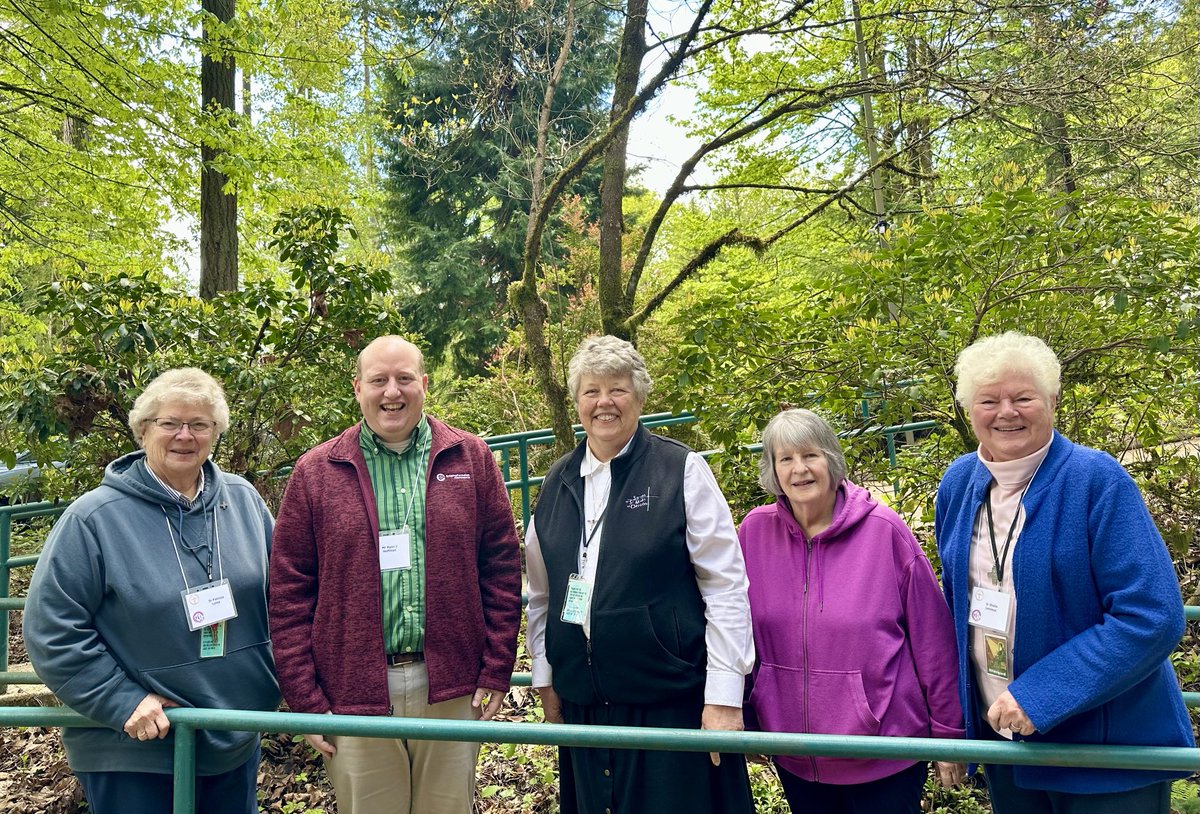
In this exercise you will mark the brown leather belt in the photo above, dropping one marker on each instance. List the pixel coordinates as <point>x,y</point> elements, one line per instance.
<point>396,659</point>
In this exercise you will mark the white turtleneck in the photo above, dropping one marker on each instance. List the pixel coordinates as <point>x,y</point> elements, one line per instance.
<point>1010,479</point>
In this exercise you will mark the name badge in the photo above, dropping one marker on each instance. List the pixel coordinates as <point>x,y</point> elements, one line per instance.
<point>989,609</point>
<point>208,604</point>
<point>395,552</point>
<point>577,601</point>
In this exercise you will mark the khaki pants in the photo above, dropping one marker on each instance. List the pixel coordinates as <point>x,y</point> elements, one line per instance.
<point>401,776</point>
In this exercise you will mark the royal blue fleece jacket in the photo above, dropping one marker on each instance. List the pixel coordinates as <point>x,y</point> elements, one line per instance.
<point>1098,613</point>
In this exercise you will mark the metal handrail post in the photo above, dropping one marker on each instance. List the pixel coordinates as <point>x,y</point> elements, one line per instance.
<point>5,577</point>
<point>184,785</point>
<point>523,455</point>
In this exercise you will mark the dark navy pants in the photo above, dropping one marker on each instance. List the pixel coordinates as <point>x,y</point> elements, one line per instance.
<point>1009,798</point>
<point>234,792</point>
<point>898,793</point>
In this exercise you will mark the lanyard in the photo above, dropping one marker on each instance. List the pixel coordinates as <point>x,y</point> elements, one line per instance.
<point>408,512</point>
<point>596,524</point>
<point>181,544</point>
<point>587,540</point>
<point>1000,558</point>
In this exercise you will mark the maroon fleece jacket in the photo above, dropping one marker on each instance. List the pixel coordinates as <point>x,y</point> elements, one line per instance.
<point>324,597</point>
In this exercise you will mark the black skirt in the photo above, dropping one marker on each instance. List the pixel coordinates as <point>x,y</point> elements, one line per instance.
<point>637,781</point>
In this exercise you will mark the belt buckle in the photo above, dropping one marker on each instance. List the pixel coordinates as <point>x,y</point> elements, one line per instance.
<point>399,659</point>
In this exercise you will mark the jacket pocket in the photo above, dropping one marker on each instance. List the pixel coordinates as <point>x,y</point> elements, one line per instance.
<point>242,679</point>
<point>636,662</point>
<point>826,702</point>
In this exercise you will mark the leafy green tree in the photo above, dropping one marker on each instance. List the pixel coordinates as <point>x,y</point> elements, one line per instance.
<point>457,154</point>
<point>274,345</point>
<point>91,152</point>
<point>1109,286</point>
<point>100,137</point>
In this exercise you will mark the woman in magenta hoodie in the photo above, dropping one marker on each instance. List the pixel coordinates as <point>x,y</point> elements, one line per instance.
<point>852,633</point>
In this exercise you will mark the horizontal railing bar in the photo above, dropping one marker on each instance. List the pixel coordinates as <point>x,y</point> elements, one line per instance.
<point>517,680</point>
<point>516,484</point>
<point>650,420</point>
<point>12,603</point>
<point>7,677</point>
<point>20,562</point>
<point>43,716</point>
<point>21,509</point>
<point>884,748</point>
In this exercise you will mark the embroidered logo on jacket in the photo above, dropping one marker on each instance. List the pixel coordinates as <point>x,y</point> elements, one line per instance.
<point>442,476</point>
<point>639,501</point>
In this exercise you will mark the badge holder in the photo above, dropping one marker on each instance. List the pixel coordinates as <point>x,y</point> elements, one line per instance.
<point>395,550</point>
<point>579,597</point>
<point>208,604</point>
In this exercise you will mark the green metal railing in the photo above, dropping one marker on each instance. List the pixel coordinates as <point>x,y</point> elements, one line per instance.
<point>185,723</point>
<point>20,511</point>
<point>522,442</point>
<point>519,443</point>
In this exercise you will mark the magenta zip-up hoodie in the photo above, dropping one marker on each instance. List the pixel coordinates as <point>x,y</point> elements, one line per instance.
<point>852,633</point>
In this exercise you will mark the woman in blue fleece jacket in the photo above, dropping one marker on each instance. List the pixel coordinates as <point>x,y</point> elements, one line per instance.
<point>110,630</point>
<point>1065,601</point>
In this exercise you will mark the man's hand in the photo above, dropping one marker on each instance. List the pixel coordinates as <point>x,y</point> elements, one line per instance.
<point>487,710</point>
<point>148,720</point>
<point>1006,713</point>
<point>718,717</point>
<point>319,743</point>
<point>551,705</point>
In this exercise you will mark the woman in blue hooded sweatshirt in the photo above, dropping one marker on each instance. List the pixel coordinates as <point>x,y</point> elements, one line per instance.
<point>852,634</point>
<point>150,594</point>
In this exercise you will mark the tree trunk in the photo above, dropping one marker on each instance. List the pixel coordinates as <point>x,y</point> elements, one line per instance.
<point>74,132</point>
<point>615,308</point>
<point>534,316</point>
<point>218,210</point>
<point>247,97</point>
<point>368,155</point>
<point>1060,165</point>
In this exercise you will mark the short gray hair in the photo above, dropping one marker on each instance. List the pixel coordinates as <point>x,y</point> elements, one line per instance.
<point>189,385</point>
<point>608,356</point>
<point>797,429</point>
<point>986,361</point>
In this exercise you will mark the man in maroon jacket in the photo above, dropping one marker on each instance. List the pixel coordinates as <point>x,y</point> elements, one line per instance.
<point>395,589</point>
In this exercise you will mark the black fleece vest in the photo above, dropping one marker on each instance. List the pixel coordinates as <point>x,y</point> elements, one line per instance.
<point>647,619</point>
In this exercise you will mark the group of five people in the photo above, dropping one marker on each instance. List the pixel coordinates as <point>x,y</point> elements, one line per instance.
<point>390,584</point>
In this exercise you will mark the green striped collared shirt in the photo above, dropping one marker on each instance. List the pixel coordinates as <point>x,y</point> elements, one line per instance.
<point>399,484</point>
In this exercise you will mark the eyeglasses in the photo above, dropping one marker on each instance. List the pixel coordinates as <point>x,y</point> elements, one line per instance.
<point>173,426</point>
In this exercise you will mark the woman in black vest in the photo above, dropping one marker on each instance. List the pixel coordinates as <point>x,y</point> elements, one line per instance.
<point>637,601</point>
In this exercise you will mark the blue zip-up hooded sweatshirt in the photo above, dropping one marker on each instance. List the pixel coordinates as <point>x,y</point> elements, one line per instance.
<point>105,624</point>
<point>1098,613</point>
